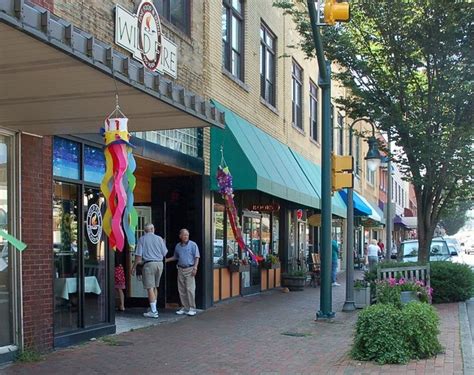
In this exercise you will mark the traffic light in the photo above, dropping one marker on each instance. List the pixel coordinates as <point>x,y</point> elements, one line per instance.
<point>342,167</point>
<point>336,12</point>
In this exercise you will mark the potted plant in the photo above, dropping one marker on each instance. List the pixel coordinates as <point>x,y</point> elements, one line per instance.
<point>271,262</point>
<point>294,281</point>
<point>238,265</point>
<point>361,294</point>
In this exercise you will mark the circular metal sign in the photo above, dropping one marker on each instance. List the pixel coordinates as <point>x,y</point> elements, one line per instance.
<point>149,35</point>
<point>94,224</point>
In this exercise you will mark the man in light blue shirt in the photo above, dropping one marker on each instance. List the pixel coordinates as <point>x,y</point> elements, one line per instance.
<point>151,250</point>
<point>187,254</point>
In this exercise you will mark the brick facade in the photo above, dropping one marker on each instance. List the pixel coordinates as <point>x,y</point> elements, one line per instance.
<point>46,4</point>
<point>37,232</point>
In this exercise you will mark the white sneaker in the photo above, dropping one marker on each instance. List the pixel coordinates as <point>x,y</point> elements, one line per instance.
<point>191,312</point>
<point>336,284</point>
<point>181,312</point>
<point>151,314</point>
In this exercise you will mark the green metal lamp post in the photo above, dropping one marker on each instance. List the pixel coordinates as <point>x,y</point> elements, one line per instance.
<point>373,160</point>
<point>325,311</point>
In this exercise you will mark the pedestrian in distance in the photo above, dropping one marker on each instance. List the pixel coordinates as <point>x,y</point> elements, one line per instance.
<point>151,250</point>
<point>335,258</point>
<point>373,254</point>
<point>382,248</point>
<point>186,253</point>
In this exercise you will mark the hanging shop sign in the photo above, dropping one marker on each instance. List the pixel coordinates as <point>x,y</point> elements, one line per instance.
<point>141,35</point>
<point>268,207</point>
<point>94,224</point>
<point>299,214</point>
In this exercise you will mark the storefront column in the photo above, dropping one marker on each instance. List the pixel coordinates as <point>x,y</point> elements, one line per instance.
<point>284,237</point>
<point>37,233</point>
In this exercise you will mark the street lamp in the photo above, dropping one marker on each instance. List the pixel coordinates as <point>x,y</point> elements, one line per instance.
<point>373,162</point>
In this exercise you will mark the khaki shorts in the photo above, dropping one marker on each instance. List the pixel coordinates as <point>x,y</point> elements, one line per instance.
<point>152,274</point>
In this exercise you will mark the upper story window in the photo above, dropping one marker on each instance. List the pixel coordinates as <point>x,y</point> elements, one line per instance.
<point>233,37</point>
<point>296,96</point>
<point>267,64</point>
<point>357,156</point>
<point>177,12</point>
<point>340,134</point>
<point>370,175</point>
<point>313,111</point>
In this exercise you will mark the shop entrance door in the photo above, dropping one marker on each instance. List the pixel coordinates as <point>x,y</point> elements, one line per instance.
<point>136,285</point>
<point>303,240</point>
<point>252,231</point>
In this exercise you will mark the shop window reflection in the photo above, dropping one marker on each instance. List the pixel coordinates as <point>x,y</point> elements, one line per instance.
<point>218,250</point>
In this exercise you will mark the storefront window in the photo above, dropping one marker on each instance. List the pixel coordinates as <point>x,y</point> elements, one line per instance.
<point>276,235</point>
<point>66,158</point>
<point>266,235</point>
<point>66,265</point>
<point>232,246</point>
<point>94,164</point>
<point>5,266</point>
<point>218,251</point>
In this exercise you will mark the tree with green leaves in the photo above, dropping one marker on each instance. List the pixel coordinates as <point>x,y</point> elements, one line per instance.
<point>409,67</point>
<point>453,219</point>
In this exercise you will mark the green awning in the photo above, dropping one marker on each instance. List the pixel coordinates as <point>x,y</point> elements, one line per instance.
<point>313,173</point>
<point>258,161</point>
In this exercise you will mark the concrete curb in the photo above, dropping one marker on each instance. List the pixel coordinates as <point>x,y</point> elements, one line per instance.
<point>466,340</point>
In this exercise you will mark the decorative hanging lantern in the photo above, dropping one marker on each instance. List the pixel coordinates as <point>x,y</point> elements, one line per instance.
<point>120,219</point>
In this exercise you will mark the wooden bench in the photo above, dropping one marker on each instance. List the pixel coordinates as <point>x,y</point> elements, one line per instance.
<point>412,273</point>
<point>314,270</point>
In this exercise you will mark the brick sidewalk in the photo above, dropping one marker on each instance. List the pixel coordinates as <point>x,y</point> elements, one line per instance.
<point>245,336</point>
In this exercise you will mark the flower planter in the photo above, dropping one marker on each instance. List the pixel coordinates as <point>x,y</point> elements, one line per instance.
<point>408,296</point>
<point>293,283</point>
<point>239,267</point>
<point>269,265</point>
<point>361,297</point>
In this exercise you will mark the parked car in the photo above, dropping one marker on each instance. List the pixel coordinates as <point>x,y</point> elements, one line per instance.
<point>455,243</point>
<point>439,251</point>
<point>470,249</point>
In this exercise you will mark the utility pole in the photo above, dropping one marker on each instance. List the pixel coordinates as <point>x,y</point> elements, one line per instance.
<point>324,81</point>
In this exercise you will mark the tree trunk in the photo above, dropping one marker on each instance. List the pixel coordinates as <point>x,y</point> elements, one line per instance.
<point>425,227</point>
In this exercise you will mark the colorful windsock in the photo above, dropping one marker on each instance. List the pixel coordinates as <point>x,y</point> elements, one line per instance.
<point>120,219</point>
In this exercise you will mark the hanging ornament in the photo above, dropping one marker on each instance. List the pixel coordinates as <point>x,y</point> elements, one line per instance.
<point>120,219</point>
<point>224,181</point>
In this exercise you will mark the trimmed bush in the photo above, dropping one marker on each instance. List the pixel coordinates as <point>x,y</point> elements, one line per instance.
<point>379,337</point>
<point>420,324</point>
<point>387,334</point>
<point>451,282</point>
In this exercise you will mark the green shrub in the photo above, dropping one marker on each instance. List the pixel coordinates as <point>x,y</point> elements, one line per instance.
<point>379,337</point>
<point>421,322</point>
<point>387,334</point>
<point>451,282</point>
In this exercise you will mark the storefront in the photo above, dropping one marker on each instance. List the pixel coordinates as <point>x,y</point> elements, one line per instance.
<point>50,199</point>
<point>9,257</point>
<point>276,190</point>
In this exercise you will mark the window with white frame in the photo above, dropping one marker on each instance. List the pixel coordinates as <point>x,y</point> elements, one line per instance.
<point>369,175</point>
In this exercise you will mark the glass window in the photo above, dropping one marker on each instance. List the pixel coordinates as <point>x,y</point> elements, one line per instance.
<point>296,96</point>
<point>175,11</point>
<point>95,271</point>
<point>357,156</point>
<point>266,234</point>
<point>232,37</point>
<point>66,158</point>
<point>94,164</point>
<point>267,65</point>
<point>340,132</point>
<point>275,235</point>
<point>6,336</point>
<point>370,175</point>
<point>313,111</point>
<point>65,249</point>
<point>218,251</point>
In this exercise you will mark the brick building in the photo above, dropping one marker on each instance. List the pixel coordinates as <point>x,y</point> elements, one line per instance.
<point>224,64</point>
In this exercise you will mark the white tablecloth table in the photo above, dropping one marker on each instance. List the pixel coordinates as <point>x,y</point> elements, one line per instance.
<point>65,286</point>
